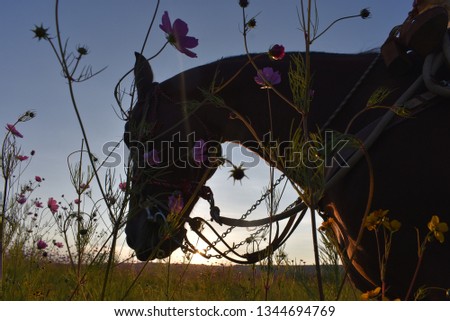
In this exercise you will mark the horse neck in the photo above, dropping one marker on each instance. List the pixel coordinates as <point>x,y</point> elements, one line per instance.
<point>253,114</point>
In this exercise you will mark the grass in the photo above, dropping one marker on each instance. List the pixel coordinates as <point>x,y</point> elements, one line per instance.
<point>38,278</point>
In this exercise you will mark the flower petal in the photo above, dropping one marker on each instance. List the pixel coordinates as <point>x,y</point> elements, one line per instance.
<point>188,42</point>
<point>276,78</point>
<point>442,227</point>
<point>12,129</point>
<point>152,157</point>
<point>180,28</point>
<point>439,236</point>
<point>166,25</point>
<point>175,203</point>
<point>188,53</point>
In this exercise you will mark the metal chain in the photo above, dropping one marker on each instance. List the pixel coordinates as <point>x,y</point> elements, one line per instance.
<point>186,247</point>
<point>243,242</point>
<point>254,234</point>
<point>245,215</point>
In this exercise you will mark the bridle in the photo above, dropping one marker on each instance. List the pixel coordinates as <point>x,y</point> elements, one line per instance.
<point>196,188</point>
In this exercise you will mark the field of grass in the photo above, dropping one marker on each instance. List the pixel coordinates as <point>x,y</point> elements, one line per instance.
<point>43,280</point>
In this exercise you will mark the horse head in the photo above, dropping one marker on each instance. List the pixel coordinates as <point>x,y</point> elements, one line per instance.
<point>171,158</point>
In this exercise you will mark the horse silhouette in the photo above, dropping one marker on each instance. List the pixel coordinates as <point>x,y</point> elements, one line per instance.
<point>409,158</point>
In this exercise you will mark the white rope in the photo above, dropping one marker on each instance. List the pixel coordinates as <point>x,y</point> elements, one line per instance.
<point>432,63</point>
<point>408,94</point>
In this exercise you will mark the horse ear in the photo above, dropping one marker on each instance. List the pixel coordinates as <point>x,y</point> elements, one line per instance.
<point>143,76</point>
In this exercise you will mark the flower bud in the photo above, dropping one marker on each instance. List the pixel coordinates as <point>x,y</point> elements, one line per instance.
<point>238,173</point>
<point>276,52</point>
<point>365,13</point>
<point>40,32</point>
<point>83,51</point>
<point>243,3</point>
<point>251,23</point>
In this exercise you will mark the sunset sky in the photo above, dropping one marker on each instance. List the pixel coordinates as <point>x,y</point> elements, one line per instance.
<point>112,30</point>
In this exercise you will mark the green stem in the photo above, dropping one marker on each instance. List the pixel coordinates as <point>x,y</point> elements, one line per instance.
<point>416,272</point>
<point>168,279</point>
<point>316,255</point>
<point>419,263</point>
<point>270,249</point>
<point>66,72</point>
<point>2,222</point>
<point>332,24</point>
<point>150,27</point>
<point>79,226</point>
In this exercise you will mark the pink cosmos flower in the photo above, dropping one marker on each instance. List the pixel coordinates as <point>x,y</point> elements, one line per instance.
<point>123,186</point>
<point>84,187</point>
<point>267,77</point>
<point>52,205</point>
<point>38,204</point>
<point>152,157</point>
<point>21,199</point>
<point>12,129</point>
<point>175,203</point>
<point>22,157</point>
<point>58,244</point>
<point>41,245</point>
<point>199,152</point>
<point>177,35</point>
<point>38,179</point>
<point>276,52</point>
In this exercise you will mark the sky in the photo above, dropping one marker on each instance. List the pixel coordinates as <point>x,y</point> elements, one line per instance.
<point>112,30</point>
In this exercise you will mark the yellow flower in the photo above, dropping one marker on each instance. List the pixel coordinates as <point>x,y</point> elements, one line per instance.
<point>326,224</point>
<point>438,228</point>
<point>375,218</point>
<point>394,225</point>
<point>371,294</point>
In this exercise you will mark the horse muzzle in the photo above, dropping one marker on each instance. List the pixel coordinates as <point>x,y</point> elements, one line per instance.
<point>149,235</point>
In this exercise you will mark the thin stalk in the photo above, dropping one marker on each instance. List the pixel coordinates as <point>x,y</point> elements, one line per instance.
<point>80,250</point>
<point>307,72</point>
<point>2,222</point>
<point>150,27</point>
<point>332,24</point>
<point>387,249</point>
<point>116,88</point>
<point>6,168</point>
<point>117,223</point>
<point>381,263</point>
<point>316,255</point>
<point>270,249</point>
<point>421,250</point>
<point>168,278</point>
<point>64,65</point>
<point>307,35</point>
<point>416,273</point>
<point>271,201</point>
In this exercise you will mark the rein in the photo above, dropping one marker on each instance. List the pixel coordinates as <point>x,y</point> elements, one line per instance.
<point>351,92</point>
<point>408,100</point>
